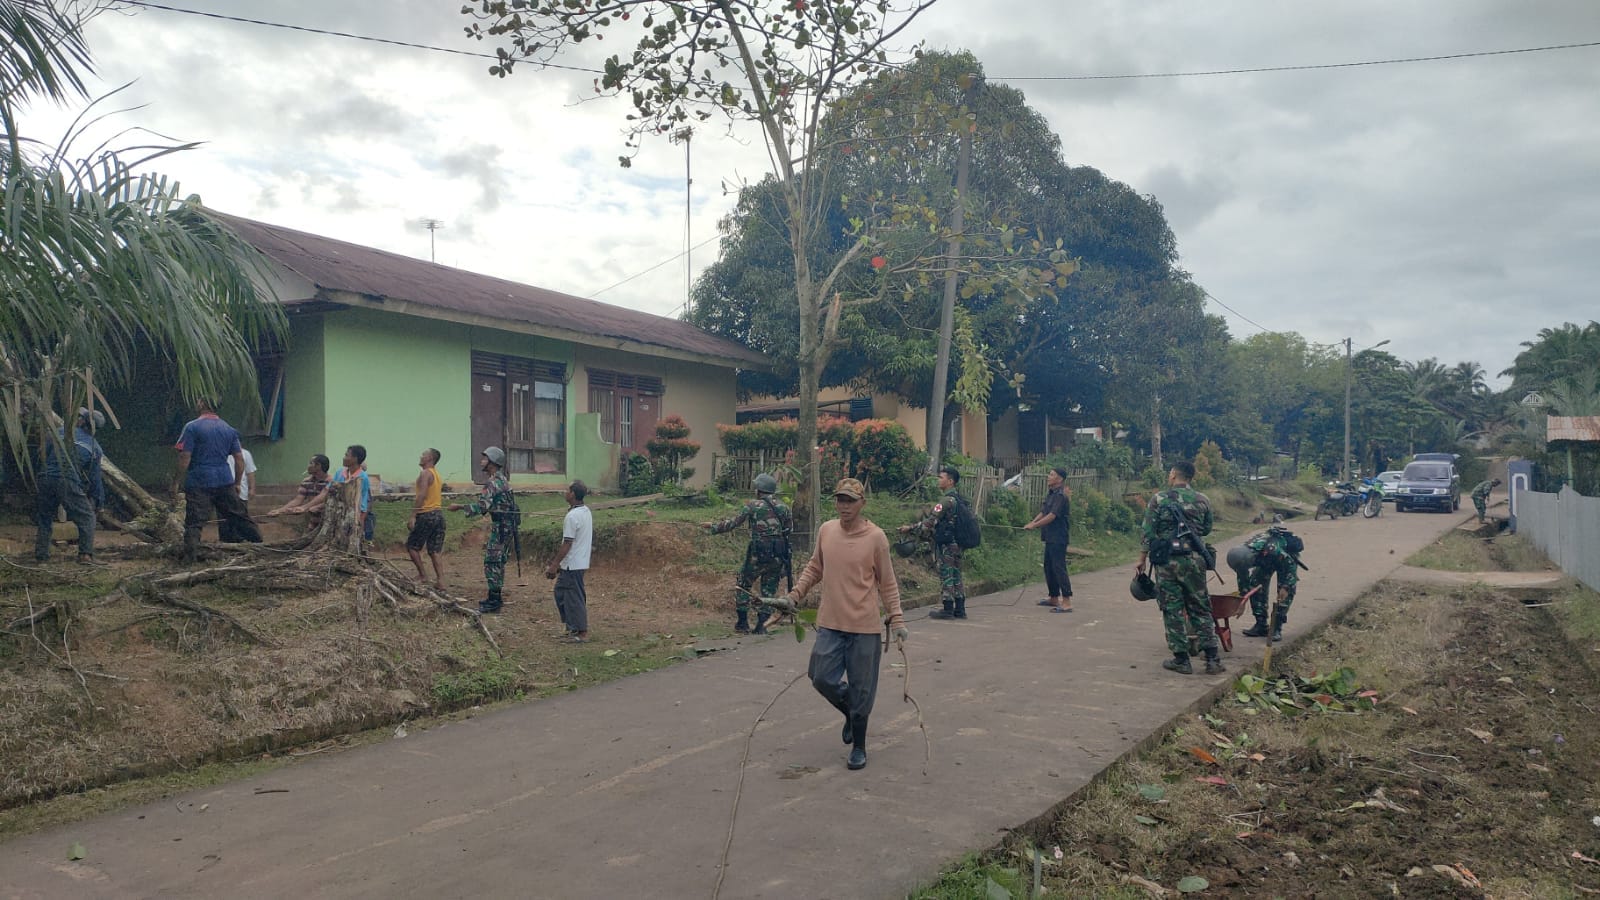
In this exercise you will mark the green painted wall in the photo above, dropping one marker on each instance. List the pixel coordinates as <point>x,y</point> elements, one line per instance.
<point>398,384</point>
<point>284,461</point>
<point>590,459</point>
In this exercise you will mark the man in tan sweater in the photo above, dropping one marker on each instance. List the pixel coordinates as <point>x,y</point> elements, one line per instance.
<point>852,564</point>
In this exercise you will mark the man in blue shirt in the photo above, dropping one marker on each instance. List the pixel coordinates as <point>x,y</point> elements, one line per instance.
<point>207,482</point>
<point>74,483</point>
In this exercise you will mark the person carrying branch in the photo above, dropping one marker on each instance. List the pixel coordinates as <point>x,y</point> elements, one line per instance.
<point>497,502</point>
<point>852,565</point>
<point>766,557</point>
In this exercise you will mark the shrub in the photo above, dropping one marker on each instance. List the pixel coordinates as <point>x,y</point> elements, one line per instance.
<point>1005,507</point>
<point>670,449</point>
<point>1210,469</point>
<point>638,476</point>
<point>885,456</point>
<point>1111,459</point>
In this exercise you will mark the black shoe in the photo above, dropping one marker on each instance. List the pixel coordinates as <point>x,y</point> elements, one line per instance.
<point>848,735</point>
<point>1277,633</point>
<point>1214,665</point>
<point>961,614</point>
<point>742,628</point>
<point>941,614</point>
<point>486,608</point>
<point>1257,630</point>
<point>858,759</point>
<point>1179,664</point>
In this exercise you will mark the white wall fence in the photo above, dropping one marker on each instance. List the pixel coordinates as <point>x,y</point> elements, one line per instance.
<point>1566,528</point>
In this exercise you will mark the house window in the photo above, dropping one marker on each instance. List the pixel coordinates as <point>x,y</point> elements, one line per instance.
<point>629,406</point>
<point>519,405</point>
<point>268,423</point>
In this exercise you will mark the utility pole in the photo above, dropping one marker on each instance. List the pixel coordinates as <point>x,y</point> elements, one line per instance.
<point>432,225</point>
<point>1344,461</point>
<point>947,312</point>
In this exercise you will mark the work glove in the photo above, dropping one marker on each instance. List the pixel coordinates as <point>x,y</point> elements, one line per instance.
<point>900,634</point>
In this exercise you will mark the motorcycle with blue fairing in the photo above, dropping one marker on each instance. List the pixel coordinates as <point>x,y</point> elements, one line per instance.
<point>1370,498</point>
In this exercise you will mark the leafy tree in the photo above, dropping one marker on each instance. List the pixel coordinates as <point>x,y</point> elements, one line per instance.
<point>795,69</point>
<point>670,448</point>
<point>99,260</point>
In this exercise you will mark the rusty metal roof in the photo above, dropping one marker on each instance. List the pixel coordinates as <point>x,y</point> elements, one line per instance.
<point>334,265</point>
<point>1573,428</point>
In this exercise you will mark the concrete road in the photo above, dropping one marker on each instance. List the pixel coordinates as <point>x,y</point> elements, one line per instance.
<point>626,790</point>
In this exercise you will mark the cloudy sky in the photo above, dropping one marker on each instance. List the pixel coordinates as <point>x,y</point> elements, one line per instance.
<point>1451,207</point>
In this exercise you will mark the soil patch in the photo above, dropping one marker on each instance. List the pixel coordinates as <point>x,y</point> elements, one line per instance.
<point>1472,775</point>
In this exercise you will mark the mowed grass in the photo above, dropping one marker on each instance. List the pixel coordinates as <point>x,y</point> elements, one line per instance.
<point>1458,551</point>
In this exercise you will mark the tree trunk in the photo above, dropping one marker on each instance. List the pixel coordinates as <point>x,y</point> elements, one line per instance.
<point>808,485</point>
<point>1155,431</point>
<point>341,521</point>
<point>147,517</point>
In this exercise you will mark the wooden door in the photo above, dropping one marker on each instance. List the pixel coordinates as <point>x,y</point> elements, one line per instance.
<point>488,417</point>
<point>646,413</point>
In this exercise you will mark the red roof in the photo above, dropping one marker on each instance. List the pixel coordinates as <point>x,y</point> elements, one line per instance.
<point>334,265</point>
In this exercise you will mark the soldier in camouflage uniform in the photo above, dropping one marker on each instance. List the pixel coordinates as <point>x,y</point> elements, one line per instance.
<point>766,557</point>
<point>1480,497</point>
<point>1272,552</point>
<point>1180,573</point>
<point>498,502</point>
<point>939,526</point>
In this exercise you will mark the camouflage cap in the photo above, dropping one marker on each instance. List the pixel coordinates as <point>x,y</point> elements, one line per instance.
<point>849,487</point>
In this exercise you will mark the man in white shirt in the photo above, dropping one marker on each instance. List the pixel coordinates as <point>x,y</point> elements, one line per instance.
<point>247,486</point>
<point>569,566</point>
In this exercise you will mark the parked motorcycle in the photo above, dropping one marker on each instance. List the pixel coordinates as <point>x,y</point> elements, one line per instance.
<point>1371,498</point>
<point>1342,500</point>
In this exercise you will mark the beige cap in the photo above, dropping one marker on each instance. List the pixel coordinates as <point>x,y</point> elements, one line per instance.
<point>849,487</point>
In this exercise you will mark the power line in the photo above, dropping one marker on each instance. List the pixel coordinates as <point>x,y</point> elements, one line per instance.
<point>1235,311</point>
<point>1301,68</point>
<point>345,34</point>
<point>674,257</point>
<point>1243,71</point>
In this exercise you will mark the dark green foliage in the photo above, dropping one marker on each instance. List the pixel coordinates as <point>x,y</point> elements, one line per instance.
<point>638,476</point>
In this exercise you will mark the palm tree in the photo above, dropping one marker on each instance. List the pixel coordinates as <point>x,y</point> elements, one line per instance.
<point>99,260</point>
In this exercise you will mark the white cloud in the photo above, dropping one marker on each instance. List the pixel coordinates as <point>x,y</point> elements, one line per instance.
<point>1447,206</point>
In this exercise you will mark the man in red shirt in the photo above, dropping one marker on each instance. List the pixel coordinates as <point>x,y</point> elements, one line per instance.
<point>853,566</point>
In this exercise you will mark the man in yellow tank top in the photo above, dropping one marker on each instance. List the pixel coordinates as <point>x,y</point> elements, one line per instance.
<point>426,528</point>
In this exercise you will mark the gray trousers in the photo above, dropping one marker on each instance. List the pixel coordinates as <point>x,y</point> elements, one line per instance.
<point>572,601</point>
<point>844,670</point>
<point>55,493</point>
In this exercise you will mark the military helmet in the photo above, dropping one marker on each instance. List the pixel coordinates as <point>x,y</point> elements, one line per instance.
<point>496,456</point>
<point>766,484</point>
<point>1240,558</point>
<point>906,546</point>
<point>1143,587</point>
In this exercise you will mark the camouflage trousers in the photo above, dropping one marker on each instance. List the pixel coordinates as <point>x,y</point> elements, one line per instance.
<point>1481,504</point>
<point>495,550</point>
<point>1260,600</point>
<point>1185,605</point>
<point>952,591</point>
<point>768,573</point>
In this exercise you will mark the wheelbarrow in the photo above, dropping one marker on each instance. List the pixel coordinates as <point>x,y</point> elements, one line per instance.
<point>1223,608</point>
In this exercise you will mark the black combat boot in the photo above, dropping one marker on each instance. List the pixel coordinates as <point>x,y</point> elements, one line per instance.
<point>743,625</point>
<point>1178,663</point>
<point>961,609</point>
<point>1259,629</point>
<point>491,604</point>
<point>949,612</point>
<point>761,622</point>
<point>1278,622</point>
<point>1214,664</point>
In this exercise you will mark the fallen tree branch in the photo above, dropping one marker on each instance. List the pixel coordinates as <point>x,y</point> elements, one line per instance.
<point>206,612</point>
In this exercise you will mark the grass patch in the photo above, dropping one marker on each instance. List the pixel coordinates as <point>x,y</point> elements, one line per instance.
<point>1577,608</point>
<point>1458,551</point>
<point>493,678</point>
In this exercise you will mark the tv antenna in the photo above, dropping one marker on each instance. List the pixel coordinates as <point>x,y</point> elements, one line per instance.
<point>432,225</point>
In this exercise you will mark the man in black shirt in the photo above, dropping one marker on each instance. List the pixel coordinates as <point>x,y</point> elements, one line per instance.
<point>1052,524</point>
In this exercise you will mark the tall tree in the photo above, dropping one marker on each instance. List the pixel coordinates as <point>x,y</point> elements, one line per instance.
<point>787,67</point>
<point>99,259</point>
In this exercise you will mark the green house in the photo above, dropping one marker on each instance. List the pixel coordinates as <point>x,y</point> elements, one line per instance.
<point>400,354</point>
